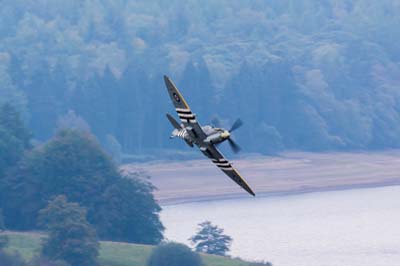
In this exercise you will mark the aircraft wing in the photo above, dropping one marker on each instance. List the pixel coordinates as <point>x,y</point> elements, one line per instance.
<point>218,159</point>
<point>186,116</point>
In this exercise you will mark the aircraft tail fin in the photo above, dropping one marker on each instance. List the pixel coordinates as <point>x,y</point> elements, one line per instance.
<point>173,122</point>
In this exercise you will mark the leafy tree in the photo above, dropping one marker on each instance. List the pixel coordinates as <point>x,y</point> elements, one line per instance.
<point>211,239</point>
<point>130,213</point>
<point>71,237</point>
<point>73,164</point>
<point>173,254</point>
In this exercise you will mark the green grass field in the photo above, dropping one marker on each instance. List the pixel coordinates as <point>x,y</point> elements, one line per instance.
<point>111,253</point>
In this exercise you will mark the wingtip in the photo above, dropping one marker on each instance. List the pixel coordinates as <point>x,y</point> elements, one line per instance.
<point>248,189</point>
<point>166,78</point>
<point>167,81</point>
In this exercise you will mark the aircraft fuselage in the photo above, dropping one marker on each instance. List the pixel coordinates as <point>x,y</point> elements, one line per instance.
<point>214,135</point>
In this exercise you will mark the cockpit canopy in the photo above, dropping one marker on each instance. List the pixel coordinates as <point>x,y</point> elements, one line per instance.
<point>209,130</point>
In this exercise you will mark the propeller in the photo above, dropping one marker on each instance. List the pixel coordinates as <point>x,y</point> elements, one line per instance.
<point>237,124</point>
<point>234,146</point>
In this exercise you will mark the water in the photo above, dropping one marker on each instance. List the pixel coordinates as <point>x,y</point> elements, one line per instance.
<point>341,228</point>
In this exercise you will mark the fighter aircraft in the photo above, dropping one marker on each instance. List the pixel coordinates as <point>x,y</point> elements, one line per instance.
<point>205,138</point>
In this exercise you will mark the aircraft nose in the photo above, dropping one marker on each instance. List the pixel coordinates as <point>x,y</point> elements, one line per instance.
<point>225,134</point>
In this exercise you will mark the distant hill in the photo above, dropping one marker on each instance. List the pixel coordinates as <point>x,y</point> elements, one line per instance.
<point>303,75</point>
<point>111,253</point>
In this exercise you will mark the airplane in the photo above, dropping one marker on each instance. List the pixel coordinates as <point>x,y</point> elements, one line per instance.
<point>205,138</point>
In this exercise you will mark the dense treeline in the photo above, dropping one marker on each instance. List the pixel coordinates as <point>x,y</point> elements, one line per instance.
<point>73,165</point>
<point>314,75</point>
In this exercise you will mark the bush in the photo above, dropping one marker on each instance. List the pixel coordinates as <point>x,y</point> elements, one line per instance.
<point>174,254</point>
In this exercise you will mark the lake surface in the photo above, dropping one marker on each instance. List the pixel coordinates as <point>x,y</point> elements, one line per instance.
<point>338,228</point>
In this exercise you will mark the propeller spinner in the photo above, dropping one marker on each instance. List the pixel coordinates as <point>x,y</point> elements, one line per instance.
<point>227,133</point>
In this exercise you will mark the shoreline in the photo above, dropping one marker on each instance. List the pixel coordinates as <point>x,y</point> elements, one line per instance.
<point>180,182</point>
<point>201,199</point>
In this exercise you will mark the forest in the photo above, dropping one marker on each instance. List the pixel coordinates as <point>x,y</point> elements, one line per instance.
<point>302,75</point>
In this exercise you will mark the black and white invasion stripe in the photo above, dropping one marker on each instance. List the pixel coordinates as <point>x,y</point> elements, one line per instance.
<point>222,164</point>
<point>186,115</point>
<point>182,133</point>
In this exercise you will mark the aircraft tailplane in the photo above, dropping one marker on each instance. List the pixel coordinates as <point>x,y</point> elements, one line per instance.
<point>173,122</point>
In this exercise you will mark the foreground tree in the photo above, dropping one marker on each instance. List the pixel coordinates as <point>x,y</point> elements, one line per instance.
<point>174,254</point>
<point>211,239</point>
<point>73,164</point>
<point>129,212</point>
<point>71,238</point>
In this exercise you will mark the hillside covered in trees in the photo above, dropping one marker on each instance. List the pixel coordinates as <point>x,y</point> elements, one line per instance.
<point>311,75</point>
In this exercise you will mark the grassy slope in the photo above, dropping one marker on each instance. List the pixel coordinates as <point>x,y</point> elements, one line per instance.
<point>111,253</point>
